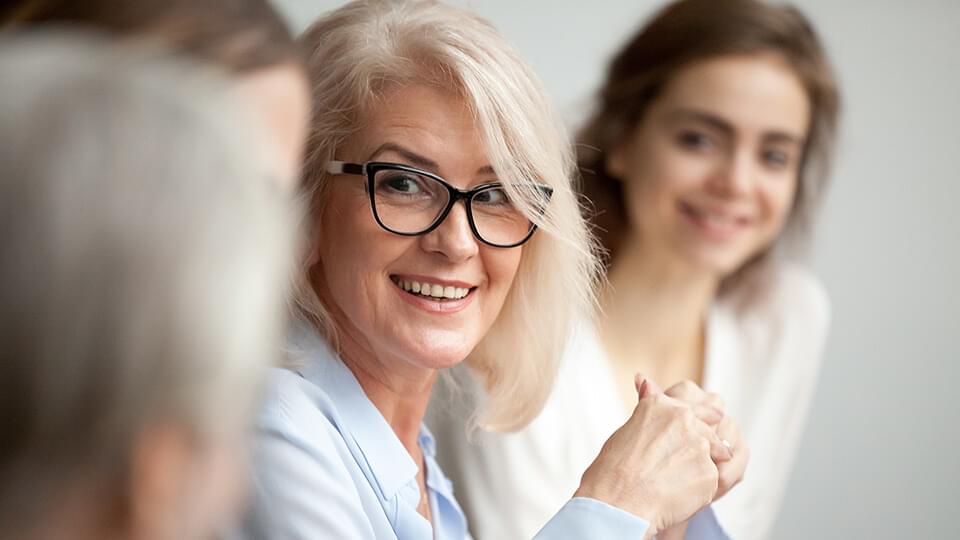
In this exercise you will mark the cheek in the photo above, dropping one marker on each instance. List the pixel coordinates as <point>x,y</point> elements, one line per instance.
<point>501,266</point>
<point>652,192</point>
<point>778,201</point>
<point>347,239</point>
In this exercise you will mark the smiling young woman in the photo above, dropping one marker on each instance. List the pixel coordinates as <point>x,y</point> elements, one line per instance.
<point>702,164</point>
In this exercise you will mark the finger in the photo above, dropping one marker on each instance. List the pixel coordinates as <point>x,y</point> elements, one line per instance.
<point>708,415</point>
<point>714,400</point>
<point>687,391</point>
<point>729,431</point>
<point>731,472</point>
<point>719,452</point>
<point>646,387</point>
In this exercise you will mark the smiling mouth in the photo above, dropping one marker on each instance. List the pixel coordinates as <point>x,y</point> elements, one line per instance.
<point>714,221</point>
<point>432,291</point>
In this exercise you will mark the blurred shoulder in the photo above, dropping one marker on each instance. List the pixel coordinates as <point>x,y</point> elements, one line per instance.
<point>783,319</point>
<point>790,294</point>
<point>799,294</point>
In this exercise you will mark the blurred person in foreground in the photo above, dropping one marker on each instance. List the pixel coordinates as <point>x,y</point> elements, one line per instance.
<point>702,166</point>
<point>245,39</point>
<point>444,231</point>
<point>144,257</point>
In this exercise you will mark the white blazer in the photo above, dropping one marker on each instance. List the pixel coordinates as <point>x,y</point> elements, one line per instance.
<point>763,361</point>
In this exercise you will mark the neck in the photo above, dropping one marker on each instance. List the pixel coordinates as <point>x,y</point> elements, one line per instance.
<point>654,308</point>
<point>397,389</point>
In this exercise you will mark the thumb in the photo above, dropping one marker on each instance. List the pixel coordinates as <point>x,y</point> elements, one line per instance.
<point>646,387</point>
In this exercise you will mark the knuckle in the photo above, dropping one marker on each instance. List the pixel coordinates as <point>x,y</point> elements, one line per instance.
<point>684,389</point>
<point>714,400</point>
<point>703,445</point>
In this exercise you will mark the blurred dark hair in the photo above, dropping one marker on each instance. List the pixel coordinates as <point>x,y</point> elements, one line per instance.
<point>690,31</point>
<point>239,36</point>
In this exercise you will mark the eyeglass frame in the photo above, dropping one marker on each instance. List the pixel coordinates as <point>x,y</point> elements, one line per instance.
<point>370,169</point>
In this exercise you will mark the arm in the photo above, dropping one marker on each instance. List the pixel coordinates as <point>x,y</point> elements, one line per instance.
<point>582,518</point>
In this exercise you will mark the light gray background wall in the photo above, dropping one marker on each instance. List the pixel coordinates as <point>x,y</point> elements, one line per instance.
<point>878,460</point>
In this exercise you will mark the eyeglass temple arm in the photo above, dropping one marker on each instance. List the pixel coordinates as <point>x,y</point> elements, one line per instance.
<point>342,167</point>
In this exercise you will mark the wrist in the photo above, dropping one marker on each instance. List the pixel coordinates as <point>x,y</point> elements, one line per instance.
<point>637,506</point>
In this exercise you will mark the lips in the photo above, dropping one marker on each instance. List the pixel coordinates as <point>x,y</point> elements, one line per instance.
<point>718,223</point>
<point>433,289</point>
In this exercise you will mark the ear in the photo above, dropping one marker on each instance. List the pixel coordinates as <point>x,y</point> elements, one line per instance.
<point>159,474</point>
<point>313,256</point>
<point>615,160</point>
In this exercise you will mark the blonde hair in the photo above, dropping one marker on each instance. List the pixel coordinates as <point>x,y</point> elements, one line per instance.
<point>365,48</point>
<point>145,258</point>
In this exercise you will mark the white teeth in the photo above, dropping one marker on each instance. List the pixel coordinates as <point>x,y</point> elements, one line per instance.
<point>431,290</point>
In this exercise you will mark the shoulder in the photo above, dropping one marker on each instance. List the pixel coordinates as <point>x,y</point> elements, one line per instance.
<point>301,457</point>
<point>297,410</point>
<point>795,290</point>
<point>789,296</point>
<point>298,422</point>
<point>787,319</point>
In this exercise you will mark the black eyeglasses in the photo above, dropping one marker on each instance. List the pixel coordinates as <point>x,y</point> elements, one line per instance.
<point>411,202</point>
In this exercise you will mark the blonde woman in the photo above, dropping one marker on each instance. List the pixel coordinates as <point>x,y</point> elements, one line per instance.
<point>703,162</point>
<point>142,270</point>
<point>444,231</point>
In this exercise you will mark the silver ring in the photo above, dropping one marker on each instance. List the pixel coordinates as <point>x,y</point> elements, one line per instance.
<point>727,444</point>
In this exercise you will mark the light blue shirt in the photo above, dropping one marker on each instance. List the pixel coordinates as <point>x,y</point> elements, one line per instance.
<point>328,465</point>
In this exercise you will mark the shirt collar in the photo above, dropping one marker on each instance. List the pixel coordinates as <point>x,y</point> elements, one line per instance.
<point>427,442</point>
<point>390,465</point>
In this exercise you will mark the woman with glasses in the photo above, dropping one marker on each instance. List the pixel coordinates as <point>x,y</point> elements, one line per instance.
<point>443,231</point>
<point>702,164</point>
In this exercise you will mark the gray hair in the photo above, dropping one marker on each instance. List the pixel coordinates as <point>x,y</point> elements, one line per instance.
<point>367,47</point>
<point>145,256</point>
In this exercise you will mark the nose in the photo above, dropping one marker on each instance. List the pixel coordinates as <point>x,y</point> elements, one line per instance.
<point>735,175</point>
<point>453,238</point>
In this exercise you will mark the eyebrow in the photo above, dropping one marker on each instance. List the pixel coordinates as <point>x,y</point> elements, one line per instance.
<point>727,128</point>
<point>416,159</point>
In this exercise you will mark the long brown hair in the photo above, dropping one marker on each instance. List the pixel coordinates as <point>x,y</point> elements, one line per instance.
<point>239,36</point>
<point>683,33</point>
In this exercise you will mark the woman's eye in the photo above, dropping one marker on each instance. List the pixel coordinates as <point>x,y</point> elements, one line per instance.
<point>495,196</point>
<point>776,159</point>
<point>402,184</point>
<point>695,140</point>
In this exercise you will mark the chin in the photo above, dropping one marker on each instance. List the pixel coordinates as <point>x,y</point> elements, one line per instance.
<point>440,349</point>
<point>714,261</point>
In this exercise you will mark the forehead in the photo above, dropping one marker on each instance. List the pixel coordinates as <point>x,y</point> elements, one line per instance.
<point>751,92</point>
<point>431,121</point>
